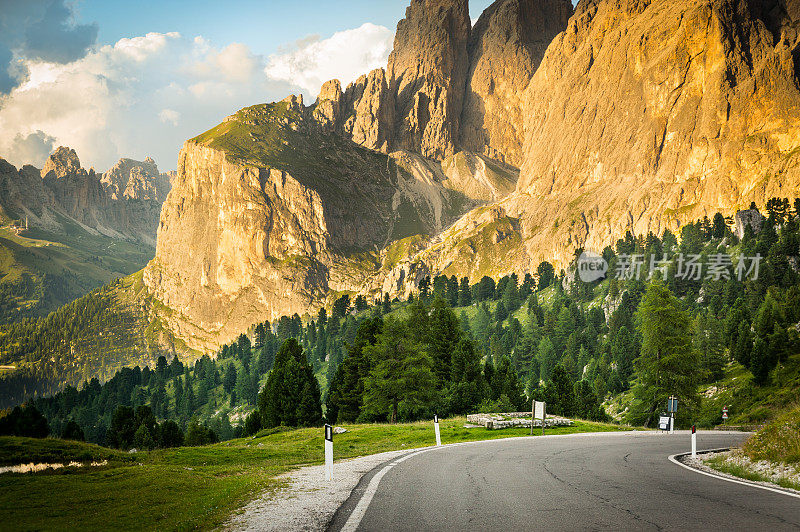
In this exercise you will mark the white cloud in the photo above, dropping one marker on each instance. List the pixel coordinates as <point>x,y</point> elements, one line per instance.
<point>344,56</point>
<point>169,116</point>
<point>144,96</point>
<point>141,96</point>
<point>42,30</point>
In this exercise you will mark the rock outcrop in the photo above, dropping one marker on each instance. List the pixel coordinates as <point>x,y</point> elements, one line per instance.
<point>449,87</point>
<point>749,217</point>
<point>505,48</point>
<point>370,111</point>
<point>427,74</point>
<point>78,192</point>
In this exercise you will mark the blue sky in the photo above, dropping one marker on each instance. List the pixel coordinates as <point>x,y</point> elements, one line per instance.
<point>264,25</point>
<point>118,79</point>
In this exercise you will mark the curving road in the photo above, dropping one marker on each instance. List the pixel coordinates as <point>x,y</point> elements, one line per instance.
<point>607,481</point>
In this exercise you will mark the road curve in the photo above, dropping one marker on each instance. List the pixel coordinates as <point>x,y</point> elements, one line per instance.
<point>601,481</point>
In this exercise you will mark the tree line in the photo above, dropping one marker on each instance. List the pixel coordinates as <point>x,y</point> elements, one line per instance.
<point>453,347</point>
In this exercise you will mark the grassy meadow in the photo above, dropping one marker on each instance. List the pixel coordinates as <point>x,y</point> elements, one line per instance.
<point>194,487</point>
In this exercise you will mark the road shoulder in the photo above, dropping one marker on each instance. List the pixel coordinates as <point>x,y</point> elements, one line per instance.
<point>307,501</point>
<point>697,465</point>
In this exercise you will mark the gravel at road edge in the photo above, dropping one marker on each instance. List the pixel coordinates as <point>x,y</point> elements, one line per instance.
<point>308,501</point>
<point>700,463</point>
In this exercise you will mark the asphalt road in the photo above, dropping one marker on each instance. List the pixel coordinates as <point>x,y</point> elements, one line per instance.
<point>612,481</point>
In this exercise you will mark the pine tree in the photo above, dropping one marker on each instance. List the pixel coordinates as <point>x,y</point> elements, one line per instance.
<point>464,293</point>
<point>668,363</point>
<point>386,306</point>
<point>344,402</point>
<point>547,357</point>
<point>402,376</point>
<point>559,394</point>
<point>229,383</point>
<point>443,335</point>
<point>546,274</point>
<point>291,396</point>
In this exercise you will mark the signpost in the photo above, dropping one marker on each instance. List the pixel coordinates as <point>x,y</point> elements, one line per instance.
<point>328,452</point>
<point>724,414</point>
<point>672,407</point>
<point>436,429</point>
<point>663,422</point>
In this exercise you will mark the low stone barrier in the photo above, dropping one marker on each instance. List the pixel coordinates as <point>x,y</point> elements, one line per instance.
<point>507,420</point>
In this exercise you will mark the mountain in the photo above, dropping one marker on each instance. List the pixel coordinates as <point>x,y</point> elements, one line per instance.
<point>65,230</point>
<point>138,180</point>
<point>504,49</point>
<point>641,116</point>
<point>479,151</point>
<point>272,212</point>
<point>124,204</point>
<point>283,206</point>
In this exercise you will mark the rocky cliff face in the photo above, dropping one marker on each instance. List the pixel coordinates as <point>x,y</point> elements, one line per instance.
<point>427,74</point>
<point>276,208</point>
<point>646,114</point>
<point>78,192</point>
<point>63,193</point>
<point>641,116</point>
<point>449,87</point>
<point>505,48</point>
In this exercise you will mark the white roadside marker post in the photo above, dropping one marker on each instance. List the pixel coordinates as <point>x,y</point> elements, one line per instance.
<point>328,452</point>
<point>436,430</point>
<point>694,441</point>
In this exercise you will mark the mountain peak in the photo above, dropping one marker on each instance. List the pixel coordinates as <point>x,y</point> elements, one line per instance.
<point>427,72</point>
<point>62,162</point>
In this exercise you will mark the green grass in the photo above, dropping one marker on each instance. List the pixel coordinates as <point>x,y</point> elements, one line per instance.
<point>195,487</point>
<point>719,463</point>
<point>41,271</point>
<point>778,441</point>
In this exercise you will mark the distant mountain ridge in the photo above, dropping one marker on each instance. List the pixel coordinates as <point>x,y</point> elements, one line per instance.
<point>123,203</point>
<point>65,230</point>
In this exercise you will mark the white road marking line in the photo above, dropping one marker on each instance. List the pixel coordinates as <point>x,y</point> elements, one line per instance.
<point>735,481</point>
<point>361,508</point>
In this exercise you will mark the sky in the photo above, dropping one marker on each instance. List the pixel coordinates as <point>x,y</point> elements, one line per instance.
<point>118,79</point>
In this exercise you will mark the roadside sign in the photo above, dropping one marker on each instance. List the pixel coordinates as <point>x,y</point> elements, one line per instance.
<point>725,413</point>
<point>538,410</point>
<point>672,404</point>
<point>663,422</point>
